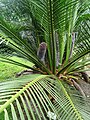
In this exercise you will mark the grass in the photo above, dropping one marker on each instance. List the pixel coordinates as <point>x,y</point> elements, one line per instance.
<point>8,71</point>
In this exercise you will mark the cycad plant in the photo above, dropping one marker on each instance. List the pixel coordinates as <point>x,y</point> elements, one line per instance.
<point>63,27</point>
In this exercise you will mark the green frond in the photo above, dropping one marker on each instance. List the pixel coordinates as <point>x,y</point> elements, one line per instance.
<point>82,104</point>
<point>55,21</point>
<point>73,61</point>
<point>20,46</point>
<point>29,98</point>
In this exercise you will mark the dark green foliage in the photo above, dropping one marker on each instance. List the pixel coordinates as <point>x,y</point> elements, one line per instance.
<point>4,49</point>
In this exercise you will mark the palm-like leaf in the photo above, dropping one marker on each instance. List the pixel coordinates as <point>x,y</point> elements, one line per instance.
<point>18,44</point>
<point>56,18</point>
<point>29,95</point>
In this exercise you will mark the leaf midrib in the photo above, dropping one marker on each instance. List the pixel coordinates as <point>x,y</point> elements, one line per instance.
<point>6,104</point>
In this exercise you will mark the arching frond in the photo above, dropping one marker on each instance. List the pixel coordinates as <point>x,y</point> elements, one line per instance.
<point>29,98</point>
<point>20,46</point>
<point>55,20</point>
